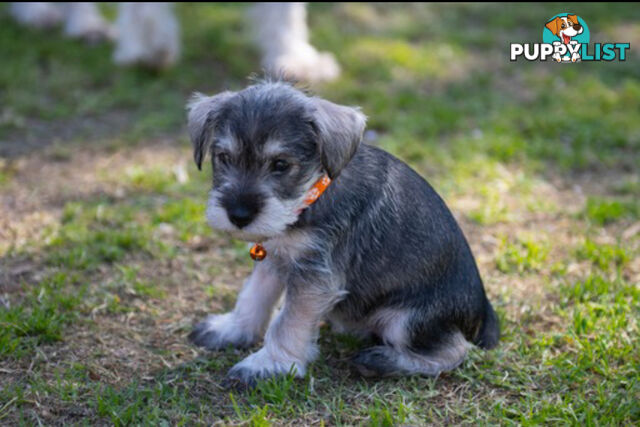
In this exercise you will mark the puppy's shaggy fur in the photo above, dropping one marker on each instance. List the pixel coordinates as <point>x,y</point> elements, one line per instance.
<point>378,254</point>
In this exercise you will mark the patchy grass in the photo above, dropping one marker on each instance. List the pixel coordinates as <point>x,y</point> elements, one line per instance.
<point>107,261</point>
<point>603,212</point>
<point>525,255</point>
<point>603,256</point>
<point>40,318</point>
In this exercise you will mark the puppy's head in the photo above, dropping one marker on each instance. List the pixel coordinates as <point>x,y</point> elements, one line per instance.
<point>269,143</point>
<point>565,27</point>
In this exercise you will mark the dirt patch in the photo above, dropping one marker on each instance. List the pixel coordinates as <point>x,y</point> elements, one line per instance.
<point>34,136</point>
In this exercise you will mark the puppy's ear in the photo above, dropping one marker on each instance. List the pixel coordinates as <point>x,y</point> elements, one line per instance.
<point>573,18</point>
<point>203,112</point>
<point>554,25</point>
<point>339,130</point>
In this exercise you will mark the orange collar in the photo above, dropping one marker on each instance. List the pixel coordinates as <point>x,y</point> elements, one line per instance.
<point>257,251</point>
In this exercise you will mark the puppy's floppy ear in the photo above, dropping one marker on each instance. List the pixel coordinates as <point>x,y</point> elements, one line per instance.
<point>339,130</point>
<point>202,114</point>
<point>554,25</point>
<point>573,18</point>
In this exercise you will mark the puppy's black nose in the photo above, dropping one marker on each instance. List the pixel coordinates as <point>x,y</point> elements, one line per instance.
<point>577,27</point>
<point>242,214</point>
<point>242,205</point>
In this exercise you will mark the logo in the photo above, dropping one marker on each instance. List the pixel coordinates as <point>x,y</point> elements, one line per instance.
<point>570,31</point>
<point>565,39</point>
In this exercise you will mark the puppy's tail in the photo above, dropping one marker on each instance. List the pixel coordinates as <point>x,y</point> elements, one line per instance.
<point>489,332</point>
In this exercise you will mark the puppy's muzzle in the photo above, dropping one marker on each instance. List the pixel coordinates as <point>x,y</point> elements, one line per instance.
<point>242,209</point>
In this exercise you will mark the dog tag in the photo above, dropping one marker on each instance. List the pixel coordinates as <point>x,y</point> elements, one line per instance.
<point>258,252</point>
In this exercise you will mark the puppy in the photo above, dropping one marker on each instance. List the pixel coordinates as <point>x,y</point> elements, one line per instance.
<point>565,28</point>
<point>378,254</point>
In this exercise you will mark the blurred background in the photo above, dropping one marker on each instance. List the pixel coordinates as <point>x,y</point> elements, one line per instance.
<point>106,260</point>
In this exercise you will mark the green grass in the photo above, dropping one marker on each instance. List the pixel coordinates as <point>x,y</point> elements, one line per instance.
<point>106,259</point>
<point>604,256</point>
<point>525,255</point>
<point>41,316</point>
<point>603,212</point>
<point>77,246</point>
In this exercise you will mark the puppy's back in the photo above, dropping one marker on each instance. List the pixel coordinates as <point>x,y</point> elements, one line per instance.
<point>401,247</point>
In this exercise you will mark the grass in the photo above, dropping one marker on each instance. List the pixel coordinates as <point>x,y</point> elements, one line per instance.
<point>525,255</point>
<point>603,211</point>
<point>45,310</point>
<point>603,255</point>
<point>106,260</point>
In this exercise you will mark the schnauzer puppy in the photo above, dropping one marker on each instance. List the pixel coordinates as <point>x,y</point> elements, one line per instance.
<point>378,254</point>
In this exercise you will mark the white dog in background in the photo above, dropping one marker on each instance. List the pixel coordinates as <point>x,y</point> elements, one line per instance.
<point>148,34</point>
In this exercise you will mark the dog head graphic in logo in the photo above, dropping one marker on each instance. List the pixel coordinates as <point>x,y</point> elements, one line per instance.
<point>565,27</point>
<point>569,30</point>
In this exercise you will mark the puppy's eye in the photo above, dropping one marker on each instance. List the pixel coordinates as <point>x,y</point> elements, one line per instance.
<point>564,26</point>
<point>223,158</point>
<point>280,165</point>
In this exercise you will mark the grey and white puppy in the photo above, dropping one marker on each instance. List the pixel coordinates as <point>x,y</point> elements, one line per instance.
<point>378,254</point>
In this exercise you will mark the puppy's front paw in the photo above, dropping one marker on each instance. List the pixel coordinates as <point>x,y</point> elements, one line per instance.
<point>219,331</point>
<point>261,365</point>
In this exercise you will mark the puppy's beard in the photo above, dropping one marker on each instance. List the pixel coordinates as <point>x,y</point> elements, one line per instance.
<point>272,220</point>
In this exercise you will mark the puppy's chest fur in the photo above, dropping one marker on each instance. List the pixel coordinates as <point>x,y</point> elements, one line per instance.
<point>291,246</point>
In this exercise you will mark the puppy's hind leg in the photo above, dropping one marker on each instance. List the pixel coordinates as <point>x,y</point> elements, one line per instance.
<point>401,356</point>
<point>385,360</point>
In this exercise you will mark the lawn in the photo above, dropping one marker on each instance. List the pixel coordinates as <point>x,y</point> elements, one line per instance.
<point>106,260</point>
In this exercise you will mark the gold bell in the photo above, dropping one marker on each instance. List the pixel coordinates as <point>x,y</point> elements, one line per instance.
<point>258,252</point>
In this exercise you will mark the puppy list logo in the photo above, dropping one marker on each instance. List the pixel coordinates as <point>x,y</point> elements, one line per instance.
<point>565,38</point>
